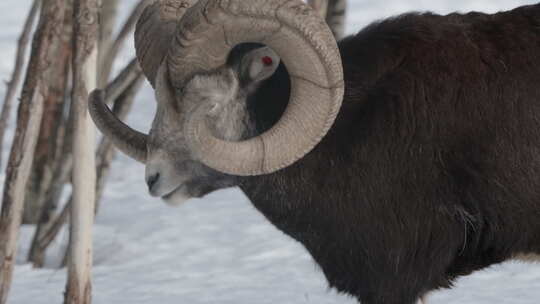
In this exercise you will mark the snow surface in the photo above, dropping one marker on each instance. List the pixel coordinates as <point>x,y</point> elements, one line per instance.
<point>218,249</point>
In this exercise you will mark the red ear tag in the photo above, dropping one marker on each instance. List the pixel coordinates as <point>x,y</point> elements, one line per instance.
<point>267,60</point>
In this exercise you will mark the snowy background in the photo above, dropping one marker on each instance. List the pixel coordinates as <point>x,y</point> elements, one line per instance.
<point>218,249</point>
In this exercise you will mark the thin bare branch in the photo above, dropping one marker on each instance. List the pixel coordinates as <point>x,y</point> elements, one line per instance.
<point>125,31</point>
<point>122,81</point>
<point>46,235</point>
<point>109,12</point>
<point>12,85</point>
<point>54,228</point>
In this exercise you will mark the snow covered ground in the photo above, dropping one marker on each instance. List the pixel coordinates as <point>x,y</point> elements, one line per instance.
<point>219,249</point>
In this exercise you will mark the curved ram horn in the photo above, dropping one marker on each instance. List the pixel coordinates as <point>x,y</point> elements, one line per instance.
<point>127,140</point>
<point>155,31</point>
<point>205,36</point>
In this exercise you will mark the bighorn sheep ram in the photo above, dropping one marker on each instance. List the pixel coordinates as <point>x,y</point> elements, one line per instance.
<point>405,157</point>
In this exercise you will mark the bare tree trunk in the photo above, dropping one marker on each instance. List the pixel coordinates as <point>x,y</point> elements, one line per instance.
<point>79,286</point>
<point>46,152</point>
<point>62,174</point>
<point>28,122</point>
<point>17,71</point>
<point>36,255</point>
<point>49,153</point>
<point>50,225</point>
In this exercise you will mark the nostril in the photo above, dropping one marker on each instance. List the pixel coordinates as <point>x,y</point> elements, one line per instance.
<point>152,180</point>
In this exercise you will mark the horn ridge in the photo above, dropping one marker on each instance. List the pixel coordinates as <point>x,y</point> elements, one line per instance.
<point>309,51</point>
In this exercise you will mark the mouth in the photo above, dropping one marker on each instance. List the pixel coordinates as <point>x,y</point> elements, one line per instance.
<point>176,197</point>
<point>192,189</point>
<point>171,194</point>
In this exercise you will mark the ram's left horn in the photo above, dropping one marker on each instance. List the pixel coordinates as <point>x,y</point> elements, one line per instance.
<point>131,142</point>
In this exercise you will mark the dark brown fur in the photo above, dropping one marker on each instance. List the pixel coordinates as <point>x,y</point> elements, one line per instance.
<point>432,169</point>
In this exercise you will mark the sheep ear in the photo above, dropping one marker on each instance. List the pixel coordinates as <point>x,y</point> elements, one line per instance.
<point>259,64</point>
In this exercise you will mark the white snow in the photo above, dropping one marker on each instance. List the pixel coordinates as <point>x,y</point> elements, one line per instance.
<point>218,249</point>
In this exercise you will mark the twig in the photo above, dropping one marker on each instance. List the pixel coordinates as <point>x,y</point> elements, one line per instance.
<point>46,235</point>
<point>109,10</point>
<point>122,81</point>
<point>127,28</point>
<point>17,71</point>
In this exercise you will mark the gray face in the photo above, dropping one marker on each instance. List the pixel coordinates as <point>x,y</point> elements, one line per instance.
<point>172,172</point>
